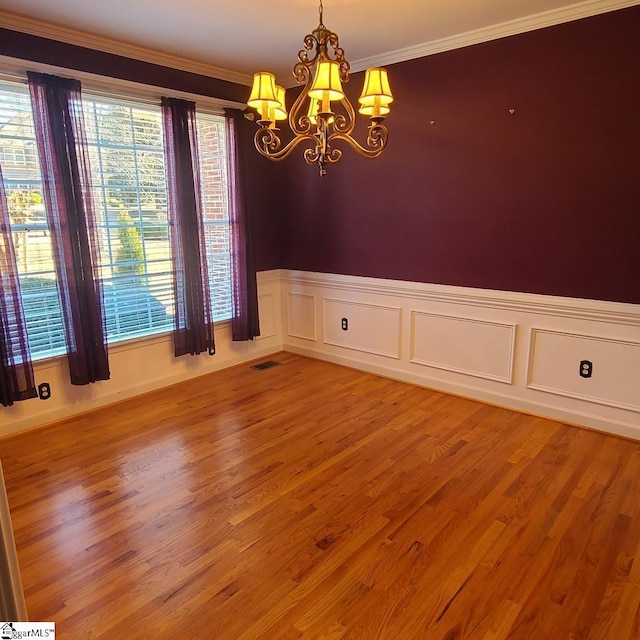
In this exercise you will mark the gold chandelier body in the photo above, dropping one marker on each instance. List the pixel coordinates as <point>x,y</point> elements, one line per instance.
<point>322,68</point>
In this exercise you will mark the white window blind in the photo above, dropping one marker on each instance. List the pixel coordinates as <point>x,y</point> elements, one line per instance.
<point>30,231</point>
<point>130,203</point>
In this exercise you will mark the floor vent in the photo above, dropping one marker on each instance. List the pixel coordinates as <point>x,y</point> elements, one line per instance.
<point>261,366</point>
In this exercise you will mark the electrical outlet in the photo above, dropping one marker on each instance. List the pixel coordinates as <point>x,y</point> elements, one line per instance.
<point>586,368</point>
<point>44,391</point>
<point>345,324</point>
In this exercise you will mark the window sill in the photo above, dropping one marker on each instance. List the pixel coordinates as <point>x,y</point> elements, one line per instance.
<point>126,344</point>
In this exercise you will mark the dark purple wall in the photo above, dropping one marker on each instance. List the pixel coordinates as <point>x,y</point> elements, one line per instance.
<point>264,195</point>
<point>544,201</point>
<point>68,56</point>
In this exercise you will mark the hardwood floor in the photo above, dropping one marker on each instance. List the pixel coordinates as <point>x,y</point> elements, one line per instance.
<point>314,501</point>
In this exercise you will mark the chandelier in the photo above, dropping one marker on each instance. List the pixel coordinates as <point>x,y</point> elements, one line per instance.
<point>321,114</point>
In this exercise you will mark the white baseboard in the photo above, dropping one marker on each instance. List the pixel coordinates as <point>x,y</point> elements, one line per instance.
<point>479,344</point>
<point>32,421</point>
<point>576,418</point>
<point>469,342</point>
<point>140,366</point>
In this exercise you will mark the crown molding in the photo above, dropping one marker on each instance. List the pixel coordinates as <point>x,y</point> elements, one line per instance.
<point>82,39</point>
<point>15,70</point>
<point>501,30</point>
<point>513,27</point>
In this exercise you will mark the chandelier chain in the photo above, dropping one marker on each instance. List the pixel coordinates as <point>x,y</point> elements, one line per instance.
<point>321,11</point>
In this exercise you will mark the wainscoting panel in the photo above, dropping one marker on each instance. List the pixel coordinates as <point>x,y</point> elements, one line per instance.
<point>453,339</point>
<point>512,349</point>
<point>463,345</point>
<point>556,362</point>
<point>146,364</point>
<point>268,309</point>
<point>370,328</point>
<point>301,316</point>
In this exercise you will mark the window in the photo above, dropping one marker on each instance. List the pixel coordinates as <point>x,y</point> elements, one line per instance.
<point>215,212</point>
<point>23,184</point>
<point>130,203</point>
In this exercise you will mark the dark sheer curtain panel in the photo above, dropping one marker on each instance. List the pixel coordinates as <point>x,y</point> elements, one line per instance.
<point>193,320</point>
<point>244,323</point>
<point>16,370</point>
<point>64,161</point>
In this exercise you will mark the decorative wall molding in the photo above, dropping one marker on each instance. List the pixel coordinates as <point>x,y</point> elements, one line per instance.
<point>60,33</point>
<point>273,277</point>
<point>383,341</point>
<point>483,349</point>
<point>15,70</point>
<point>493,32</point>
<point>610,405</point>
<point>512,27</point>
<point>615,381</point>
<point>578,416</point>
<point>267,307</point>
<point>479,344</point>
<point>579,309</point>
<point>301,316</point>
<point>142,365</point>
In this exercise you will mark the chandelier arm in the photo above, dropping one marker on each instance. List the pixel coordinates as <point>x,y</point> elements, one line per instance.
<point>333,155</point>
<point>268,143</point>
<point>311,155</point>
<point>377,136</point>
<point>298,119</point>
<point>345,124</point>
<point>331,41</point>
<point>311,44</point>
<point>322,157</point>
<point>376,141</point>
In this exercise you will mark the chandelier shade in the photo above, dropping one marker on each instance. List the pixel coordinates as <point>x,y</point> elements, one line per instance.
<point>321,114</point>
<point>376,88</point>
<point>375,110</point>
<point>280,112</point>
<point>326,82</point>
<point>263,94</point>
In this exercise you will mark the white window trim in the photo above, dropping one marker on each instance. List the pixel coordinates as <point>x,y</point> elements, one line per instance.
<point>15,70</point>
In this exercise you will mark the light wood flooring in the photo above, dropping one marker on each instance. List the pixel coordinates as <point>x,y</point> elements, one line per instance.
<point>314,501</point>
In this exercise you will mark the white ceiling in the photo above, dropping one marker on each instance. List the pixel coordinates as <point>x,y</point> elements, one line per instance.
<point>238,37</point>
